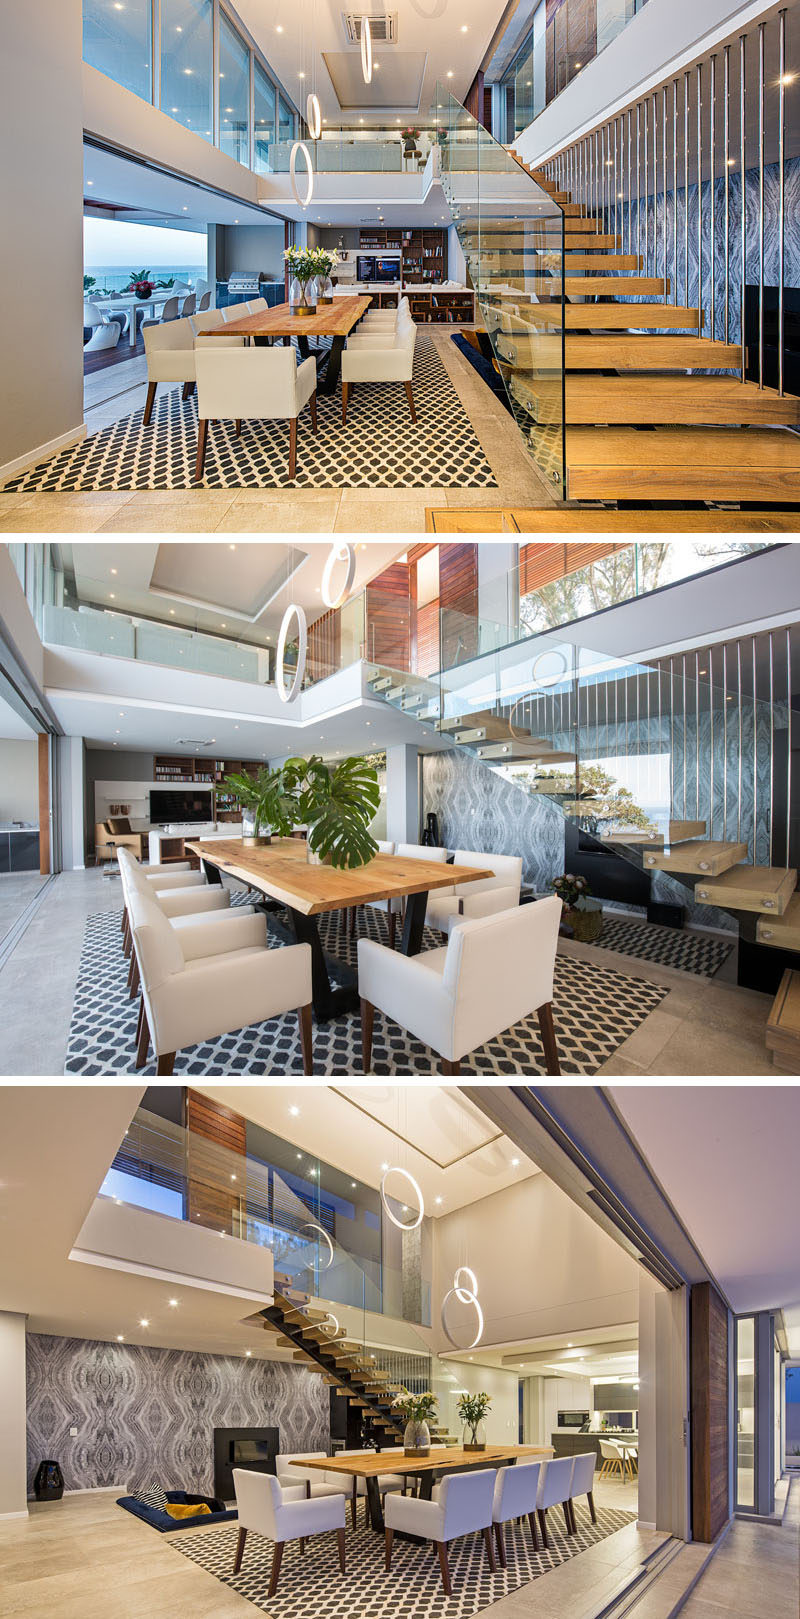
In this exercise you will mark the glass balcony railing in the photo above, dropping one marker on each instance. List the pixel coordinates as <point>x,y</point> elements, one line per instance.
<point>552,53</point>
<point>362,151</point>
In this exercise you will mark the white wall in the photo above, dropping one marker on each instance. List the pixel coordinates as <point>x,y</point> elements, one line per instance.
<point>19,781</point>
<point>13,1490</point>
<point>41,242</point>
<point>502,1421</point>
<point>542,1265</point>
<point>456,262</point>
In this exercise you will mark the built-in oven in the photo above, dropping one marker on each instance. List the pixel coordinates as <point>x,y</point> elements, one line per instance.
<point>572,1419</point>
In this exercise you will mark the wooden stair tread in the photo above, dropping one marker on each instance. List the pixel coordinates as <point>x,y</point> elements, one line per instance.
<point>783,1024</point>
<point>765,889</point>
<point>682,463</point>
<point>612,316</point>
<point>781,932</point>
<point>598,286</point>
<point>705,857</point>
<point>694,400</point>
<point>647,353</point>
<point>586,520</point>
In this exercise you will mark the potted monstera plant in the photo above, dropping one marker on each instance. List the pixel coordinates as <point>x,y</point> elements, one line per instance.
<point>417,1410</point>
<point>268,807</point>
<point>337,803</point>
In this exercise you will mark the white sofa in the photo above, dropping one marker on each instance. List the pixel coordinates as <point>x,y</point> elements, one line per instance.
<point>381,356</point>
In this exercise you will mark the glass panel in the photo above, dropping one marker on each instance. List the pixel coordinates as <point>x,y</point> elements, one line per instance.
<point>745,1412</point>
<point>793,1418</point>
<point>552,53</point>
<point>286,129</point>
<point>117,40</point>
<point>234,93</point>
<point>264,98</point>
<point>186,63</point>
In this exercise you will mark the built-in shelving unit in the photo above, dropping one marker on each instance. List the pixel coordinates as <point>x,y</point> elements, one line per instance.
<point>424,255</point>
<point>172,769</point>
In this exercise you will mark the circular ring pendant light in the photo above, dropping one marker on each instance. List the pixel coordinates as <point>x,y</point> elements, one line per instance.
<point>541,683</point>
<point>313,117</point>
<point>396,1170</point>
<point>300,146</point>
<point>292,612</point>
<point>466,1295</point>
<point>331,1324</point>
<point>339,553</point>
<point>366,50</point>
<point>312,1225</point>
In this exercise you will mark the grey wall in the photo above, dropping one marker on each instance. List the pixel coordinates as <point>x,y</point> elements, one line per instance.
<point>41,244</point>
<point>147,1416</point>
<point>19,780</point>
<point>111,764</point>
<point>251,247</point>
<point>334,236</point>
<point>477,809</point>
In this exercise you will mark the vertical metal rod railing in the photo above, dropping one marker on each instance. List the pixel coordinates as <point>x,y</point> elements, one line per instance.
<point>686,99</point>
<point>700,198</point>
<point>739,759</point>
<point>697,736</point>
<point>664,214</point>
<point>646,137</point>
<point>761,209</point>
<point>788,743</point>
<point>781,200</point>
<point>743,197</point>
<point>726,96</point>
<point>713,199</point>
<point>772,743</point>
<point>630,180</point>
<point>685,748</point>
<point>711,796</point>
<point>755,749</point>
<point>725,735</point>
<point>675,298</point>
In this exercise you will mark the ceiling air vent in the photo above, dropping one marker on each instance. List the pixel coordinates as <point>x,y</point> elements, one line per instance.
<point>193,742</point>
<point>383,29</point>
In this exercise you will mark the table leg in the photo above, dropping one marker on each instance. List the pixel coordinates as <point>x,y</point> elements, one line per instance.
<point>212,873</point>
<point>132,327</point>
<point>333,368</point>
<point>414,924</point>
<point>302,344</point>
<point>328,1000</point>
<point>376,1520</point>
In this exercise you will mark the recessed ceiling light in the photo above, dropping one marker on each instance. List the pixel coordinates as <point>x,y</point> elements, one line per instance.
<point>144,1322</point>
<point>233,1177</point>
<point>222,1233</point>
<point>463,28</point>
<point>172,612</point>
<point>173,1304</point>
<point>279,29</point>
<point>299,1155</point>
<point>384,1167</point>
<point>352,1183</point>
<point>113,570</point>
<point>248,1353</point>
<point>569,1346</point>
<point>302,76</point>
<point>514,1163</point>
<point>450,73</point>
<point>120,1339</point>
<point>231,547</point>
<point>294,1111</point>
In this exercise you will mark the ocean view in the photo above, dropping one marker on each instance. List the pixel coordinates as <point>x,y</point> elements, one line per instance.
<point>113,278</point>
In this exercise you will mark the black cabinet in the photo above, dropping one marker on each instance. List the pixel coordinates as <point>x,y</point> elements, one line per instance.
<point>19,851</point>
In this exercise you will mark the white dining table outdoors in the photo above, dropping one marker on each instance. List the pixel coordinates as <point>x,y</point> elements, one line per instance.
<point>129,303</point>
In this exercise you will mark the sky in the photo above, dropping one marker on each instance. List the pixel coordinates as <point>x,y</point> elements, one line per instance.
<point>793,1385</point>
<point>133,247</point>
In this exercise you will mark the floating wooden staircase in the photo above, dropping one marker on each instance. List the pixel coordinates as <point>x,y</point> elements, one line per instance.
<point>655,426</point>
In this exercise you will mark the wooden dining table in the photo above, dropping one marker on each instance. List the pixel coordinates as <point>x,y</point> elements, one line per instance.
<point>283,873</point>
<point>334,320</point>
<point>369,1465</point>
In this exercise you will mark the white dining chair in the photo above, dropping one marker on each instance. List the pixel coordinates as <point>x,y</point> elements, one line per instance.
<point>169,308</point>
<point>515,1496</point>
<point>613,1459</point>
<point>492,973</point>
<point>464,1507</point>
<point>315,1483</point>
<point>261,1507</point>
<point>255,384</point>
<point>485,897</point>
<point>182,906</point>
<point>583,1484</point>
<point>210,320</point>
<point>234,311</point>
<point>169,351</point>
<point>358,1488</point>
<point>380,357</point>
<point>105,333</point>
<point>189,305</point>
<point>394,907</point>
<point>256,306</point>
<point>555,1488</point>
<point>203,301</point>
<point>199,988</point>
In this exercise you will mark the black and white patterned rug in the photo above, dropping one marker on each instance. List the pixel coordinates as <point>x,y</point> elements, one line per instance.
<point>594,1010</point>
<point>379,448</point>
<point>697,953</point>
<point>311,1586</point>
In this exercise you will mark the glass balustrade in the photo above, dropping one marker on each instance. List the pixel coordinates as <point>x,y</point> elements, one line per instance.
<point>362,151</point>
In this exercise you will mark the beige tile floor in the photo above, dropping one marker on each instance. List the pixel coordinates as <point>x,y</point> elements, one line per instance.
<point>83,1558</point>
<point>756,1572</point>
<point>120,389</point>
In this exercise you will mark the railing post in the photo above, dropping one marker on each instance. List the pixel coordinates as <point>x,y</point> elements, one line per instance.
<point>743,197</point>
<point>727,143</point>
<point>761,209</point>
<point>781,216</point>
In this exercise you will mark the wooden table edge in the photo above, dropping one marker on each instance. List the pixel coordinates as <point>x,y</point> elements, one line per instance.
<point>397,1462</point>
<point>260,325</point>
<point>297,902</point>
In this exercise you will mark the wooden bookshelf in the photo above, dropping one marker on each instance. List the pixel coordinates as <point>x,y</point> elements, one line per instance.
<point>379,240</point>
<point>453,308</point>
<point>424,255</point>
<point>175,769</point>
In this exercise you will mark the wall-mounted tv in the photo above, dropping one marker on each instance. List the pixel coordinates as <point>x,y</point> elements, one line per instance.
<point>180,804</point>
<point>387,269</point>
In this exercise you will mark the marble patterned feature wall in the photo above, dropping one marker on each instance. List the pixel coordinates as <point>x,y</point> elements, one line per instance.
<point>478,809</point>
<point>147,1416</point>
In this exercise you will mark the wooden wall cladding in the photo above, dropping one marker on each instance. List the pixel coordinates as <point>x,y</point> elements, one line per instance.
<point>391,617</point>
<point>324,644</point>
<point>546,562</point>
<point>215,1132</point>
<point>458,599</point>
<point>709,1406</point>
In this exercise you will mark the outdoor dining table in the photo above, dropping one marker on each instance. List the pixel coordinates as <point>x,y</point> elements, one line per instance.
<point>429,1469</point>
<point>282,871</point>
<point>128,304</point>
<point>334,320</point>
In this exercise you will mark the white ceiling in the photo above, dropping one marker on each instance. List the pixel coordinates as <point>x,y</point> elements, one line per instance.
<point>396,82</point>
<point>148,196</point>
<point>726,1157</point>
<point>451,1149</point>
<point>604,1352</point>
<point>230,580</point>
<point>12,726</point>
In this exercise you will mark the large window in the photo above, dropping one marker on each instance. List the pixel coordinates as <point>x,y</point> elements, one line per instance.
<point>285,121</point>
<point>234,92</point>
<point>186,90</point>
<point>117,39</point>
<point>745,1412</point>
<point>264,100</point>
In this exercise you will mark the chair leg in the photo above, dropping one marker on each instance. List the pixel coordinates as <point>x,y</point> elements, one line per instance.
<point>345,397</point>
<point>165,1063</point>
<point>238,427</point>
<point>139,1019</point>
<point>367,1020</point>
<point>392,929</point>
<point>592,1512</point>
<point>340,1543</point>
<point>567,1520</point>
<point>149,403</point>
<point>143,1045</point>
<point>410,398</point>
<point>533,1529</point>
<point>292,446</point>
<point>354,1506</point>
<point>306,1040</point>
<point>548,1033</point>
<point>449,1067</point>
<point>237,1561</point>
<point>388,1538</point>
<point>487,1541</point>
<point>186,390</point>
<point>353,919</point>
<point>134,985</point>
<point>202,440</point>
<point>445,1568</point>
<point>500,1543</point>
<point>313,408</point>
<point>542,1516</point>
<point>276,1568</point>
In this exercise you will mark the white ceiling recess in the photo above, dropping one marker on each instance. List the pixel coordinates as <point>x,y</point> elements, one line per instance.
<point>726,1156</point>
<point>455,1154</point>
<point>397,83</point>
<point>601,1352</point>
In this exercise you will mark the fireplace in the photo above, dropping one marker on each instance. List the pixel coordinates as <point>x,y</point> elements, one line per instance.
<point>253,1448</point>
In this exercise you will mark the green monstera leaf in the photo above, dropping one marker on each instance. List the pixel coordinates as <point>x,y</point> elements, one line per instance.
<point>337,803</point>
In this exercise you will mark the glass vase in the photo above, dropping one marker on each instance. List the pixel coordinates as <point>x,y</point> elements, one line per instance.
<point>324,290</point>
<point>474,1436</point>
<point>417,1439</point>
<point>303,297</point>
<point>253,835</point>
